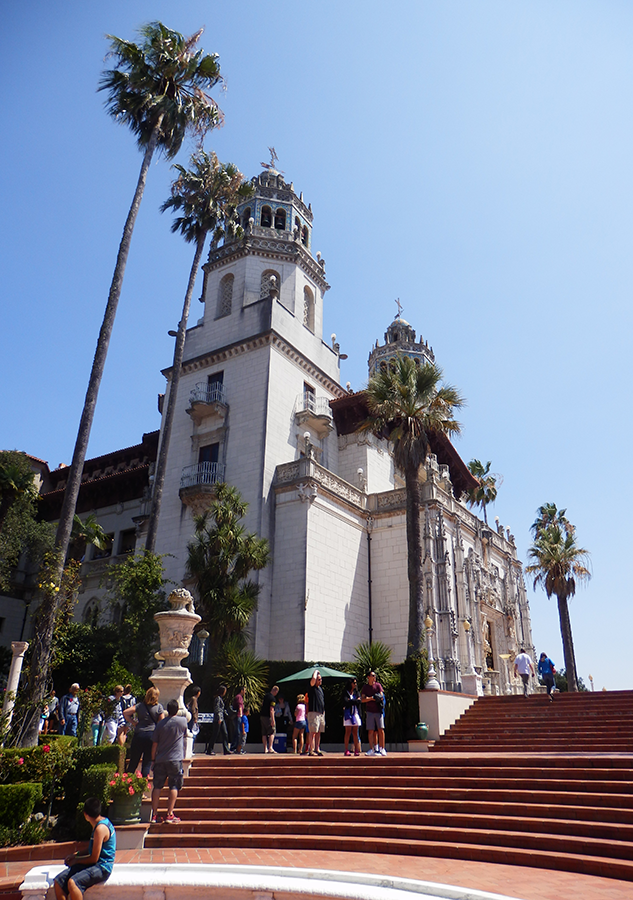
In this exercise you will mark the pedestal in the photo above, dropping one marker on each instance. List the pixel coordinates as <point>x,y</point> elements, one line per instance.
<point>473,684</point>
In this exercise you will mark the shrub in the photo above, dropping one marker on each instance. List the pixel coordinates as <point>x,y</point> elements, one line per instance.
<point>17,802</point>
<point>86,757</point>
<point>95,782</point>
<point>46,763</point>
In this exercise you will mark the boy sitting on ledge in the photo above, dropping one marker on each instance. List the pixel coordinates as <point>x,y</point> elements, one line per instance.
<point>93,866</point>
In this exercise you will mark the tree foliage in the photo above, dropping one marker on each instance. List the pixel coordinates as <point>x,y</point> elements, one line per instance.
<point>558,563</point>
<point>238,667</point>
<point>136,587</point>
<point>407,403</point>
<point>486,490</point>
<point>221,556</point>
<point>20,532</point>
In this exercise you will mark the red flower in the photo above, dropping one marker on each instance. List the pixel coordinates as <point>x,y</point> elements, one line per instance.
<point>131,790</point>
<point>21,761</point>
<point>46,748</point>
<point>112,783</point>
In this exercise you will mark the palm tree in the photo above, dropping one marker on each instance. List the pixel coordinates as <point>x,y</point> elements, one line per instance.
<point>558,563</point>
<point>206,197</point>
<point>406,404</point>
<point>86,532</point>
<point>486,490</point>
<point>158,88</point>
<point>220,557</point>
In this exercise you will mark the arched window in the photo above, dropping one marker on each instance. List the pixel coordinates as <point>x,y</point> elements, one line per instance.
<point>270,282</point>
<point>280,219</point>
<point>267,217</point>
<point>304,235</point>
<point>245,217</point>
<point>225,296</point>
<point>308,308</point>
<point>90,615</point>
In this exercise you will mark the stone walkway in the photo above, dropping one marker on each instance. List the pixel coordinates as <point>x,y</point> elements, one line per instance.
<point>514,881</point>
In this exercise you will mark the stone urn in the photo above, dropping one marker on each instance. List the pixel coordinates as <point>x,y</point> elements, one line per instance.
<point>176,628</point>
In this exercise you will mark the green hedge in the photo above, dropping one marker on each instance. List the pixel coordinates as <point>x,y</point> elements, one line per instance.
<point>94,783</point>
<point>17,802</point>
<point>86,757</point>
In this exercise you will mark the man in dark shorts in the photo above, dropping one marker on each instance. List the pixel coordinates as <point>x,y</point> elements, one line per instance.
<point>316,714</point>
<point>95,865</point>
<point>168,750</point>
<point>267,719</point>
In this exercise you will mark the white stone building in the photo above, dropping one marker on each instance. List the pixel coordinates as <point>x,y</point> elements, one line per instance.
<point>260,405</point>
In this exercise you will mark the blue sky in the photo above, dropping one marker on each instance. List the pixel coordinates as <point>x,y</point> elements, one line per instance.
<point>472,158</point>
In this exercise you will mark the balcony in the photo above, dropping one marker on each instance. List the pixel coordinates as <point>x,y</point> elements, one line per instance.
<point>314,412</point>
<point>207,400</point>
<point>197,484</point>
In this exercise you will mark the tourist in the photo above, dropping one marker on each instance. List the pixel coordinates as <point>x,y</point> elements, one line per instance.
<point>69,711</point>
<point>283,716</point>
<point>168,751</point>
<point>524,666</point>
<point>219,726</point>
<point>53,708</point>
<point>351,717</point>
<point>95,865</point>
<point>244,729</point>
<point>267,719</point>
<point>148,714</point>
<point>192,706</point>
<point>300,725</point>
<point>115,722</point>
<point>238,706</point>
<point>96,724</point>
<point>373,696</point>
<point>316,714</point>
<point>547,671</point>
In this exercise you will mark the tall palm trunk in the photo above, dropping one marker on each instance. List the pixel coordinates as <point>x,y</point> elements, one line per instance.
<point>39,668</point>
<point>568,645</point>
<point>179,350</point>
<point>414,560</point>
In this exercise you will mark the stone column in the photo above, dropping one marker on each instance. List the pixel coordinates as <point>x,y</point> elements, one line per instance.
<point>19,648</point>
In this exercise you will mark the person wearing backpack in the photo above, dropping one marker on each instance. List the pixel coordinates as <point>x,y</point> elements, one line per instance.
<point>373,698</point>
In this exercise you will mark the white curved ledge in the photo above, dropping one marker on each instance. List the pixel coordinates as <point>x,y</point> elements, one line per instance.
<point>183,882</point>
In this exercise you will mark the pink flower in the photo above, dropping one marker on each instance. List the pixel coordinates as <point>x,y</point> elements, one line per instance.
<point>21,761</point>
<point>131,790</point>
<point>138,774</point>
<point>112,783</point>
<point>46,748</point>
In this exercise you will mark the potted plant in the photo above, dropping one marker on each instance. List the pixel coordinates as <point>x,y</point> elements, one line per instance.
<point>125,796</point>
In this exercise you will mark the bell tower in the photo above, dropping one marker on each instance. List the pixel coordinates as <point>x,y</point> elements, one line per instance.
<point>399,338</point>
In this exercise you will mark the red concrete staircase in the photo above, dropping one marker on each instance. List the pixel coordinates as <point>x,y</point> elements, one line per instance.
<point>563,810</point>
<point>569,723</point>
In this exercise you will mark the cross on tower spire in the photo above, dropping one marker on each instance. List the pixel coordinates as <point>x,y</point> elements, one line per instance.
<point>399,305</point>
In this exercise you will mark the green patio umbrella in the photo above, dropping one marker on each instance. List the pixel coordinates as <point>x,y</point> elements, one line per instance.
<point>326,672</point>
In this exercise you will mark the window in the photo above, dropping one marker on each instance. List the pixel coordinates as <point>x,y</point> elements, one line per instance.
<point>127,541</point>
<point>308,308</point>
<point>280,219</point>
<point>266,217</point>
<point>304,235</point>
<point>90,615</point>
<point>225,296</point>
<point>209,453</point>
<point>270,283</point>
<point>309,396</point>
<point>245,217</point>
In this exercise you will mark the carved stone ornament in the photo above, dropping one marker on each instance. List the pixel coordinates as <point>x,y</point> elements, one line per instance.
<point>176,627</point>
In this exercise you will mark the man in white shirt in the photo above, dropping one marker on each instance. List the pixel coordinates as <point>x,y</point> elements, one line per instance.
<point>523,666</point>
